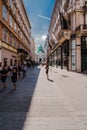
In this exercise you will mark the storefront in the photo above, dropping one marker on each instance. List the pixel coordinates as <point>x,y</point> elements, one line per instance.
<point>65,55</point>
<point>84,52</point>
<point>59,57</point>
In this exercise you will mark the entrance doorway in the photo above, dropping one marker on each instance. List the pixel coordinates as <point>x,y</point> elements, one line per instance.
<point>65,55</point>
<point>84,52</point>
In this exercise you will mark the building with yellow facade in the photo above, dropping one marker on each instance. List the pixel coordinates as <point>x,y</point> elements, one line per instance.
<point>15,32</point>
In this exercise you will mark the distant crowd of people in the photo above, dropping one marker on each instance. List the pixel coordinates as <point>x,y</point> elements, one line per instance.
<point>14,72</point>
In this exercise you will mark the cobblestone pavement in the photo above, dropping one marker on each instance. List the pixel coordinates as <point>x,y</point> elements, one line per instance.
<point>40,104</point>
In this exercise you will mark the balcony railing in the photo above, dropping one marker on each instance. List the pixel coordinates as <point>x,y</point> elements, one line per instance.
<point>81,27</point>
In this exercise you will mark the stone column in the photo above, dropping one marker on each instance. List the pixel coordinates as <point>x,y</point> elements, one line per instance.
<point>78,54</point>
<point>70,56</point>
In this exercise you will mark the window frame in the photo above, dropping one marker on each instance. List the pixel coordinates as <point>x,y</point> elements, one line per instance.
<point>4,12</point>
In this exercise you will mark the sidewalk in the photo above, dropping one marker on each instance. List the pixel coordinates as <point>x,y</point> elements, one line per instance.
<point>41,104</point>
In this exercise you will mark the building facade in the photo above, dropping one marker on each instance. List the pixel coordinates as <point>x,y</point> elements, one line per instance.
<point>68,35</point>
<point>32,50</point>
<point>15,32</point>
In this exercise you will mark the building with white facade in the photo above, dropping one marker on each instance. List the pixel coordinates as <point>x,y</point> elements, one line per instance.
<point>68,35</point>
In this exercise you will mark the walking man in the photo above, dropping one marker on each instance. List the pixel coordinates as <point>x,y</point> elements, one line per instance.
<point>14,77</point>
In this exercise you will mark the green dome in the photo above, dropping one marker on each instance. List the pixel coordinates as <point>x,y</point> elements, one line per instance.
<point>40,49</point>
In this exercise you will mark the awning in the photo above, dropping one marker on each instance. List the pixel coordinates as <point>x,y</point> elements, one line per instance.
<point>20,50</point>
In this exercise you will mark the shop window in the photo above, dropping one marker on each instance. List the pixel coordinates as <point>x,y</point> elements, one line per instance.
<point>4,12</point>
<point>73,54</point>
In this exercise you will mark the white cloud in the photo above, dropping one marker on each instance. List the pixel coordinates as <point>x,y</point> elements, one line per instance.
<point>40,38</point>
<point>44,17</point>
<point>44,37</point>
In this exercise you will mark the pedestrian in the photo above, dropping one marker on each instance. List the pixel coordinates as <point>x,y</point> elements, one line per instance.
<point>14,77</point>
<point>47,70</point>
<point>19,70</point>
<point>4,74</point>
<point>24,70</point>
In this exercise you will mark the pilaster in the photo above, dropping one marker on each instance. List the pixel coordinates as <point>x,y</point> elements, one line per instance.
<point>78,54</point>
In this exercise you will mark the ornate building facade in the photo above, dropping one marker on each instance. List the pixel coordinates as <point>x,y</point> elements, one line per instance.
<point>32,50</point>
<point>68,35</point>
<point>15,32</point>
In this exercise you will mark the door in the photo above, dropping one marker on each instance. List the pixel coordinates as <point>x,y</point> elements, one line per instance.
<point>84,52</point>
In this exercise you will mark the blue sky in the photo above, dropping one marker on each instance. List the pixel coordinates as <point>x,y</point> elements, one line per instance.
<point>39,13</point>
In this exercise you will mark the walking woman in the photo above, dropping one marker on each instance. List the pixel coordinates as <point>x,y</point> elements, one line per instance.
<point>47,70</point>
<point>14,77</point>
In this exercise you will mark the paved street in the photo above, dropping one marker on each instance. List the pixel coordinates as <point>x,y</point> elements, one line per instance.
<point>40,104</point>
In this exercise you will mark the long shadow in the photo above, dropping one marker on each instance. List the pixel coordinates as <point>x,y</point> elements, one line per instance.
<point>65,76</point>
<point>50,80</point>
<point>15,105</point>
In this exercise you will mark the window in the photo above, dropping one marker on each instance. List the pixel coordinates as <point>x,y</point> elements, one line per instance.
<point>73,54</point>
<point>11,3</point>
<point>14,10</point>
<point>14,26</point>
<point>18,45</point>
<point>11,62</point>
<point>15,42</point>
<point>11,38</point>
<point>11,21</point>
<point>4,12</point>
<point>18,18</point>
<point>18,32</point>
<point>5,35</point>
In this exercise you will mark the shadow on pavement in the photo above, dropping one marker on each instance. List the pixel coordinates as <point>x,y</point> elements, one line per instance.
<point>14,105</point>
<point>50,80</point>
<point>65,76</point>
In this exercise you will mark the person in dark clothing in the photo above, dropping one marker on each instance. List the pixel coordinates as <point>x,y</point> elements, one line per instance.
<point>14,77</point>
<point>47,70</point>
<point>24,69</point>
<point>4,74</point>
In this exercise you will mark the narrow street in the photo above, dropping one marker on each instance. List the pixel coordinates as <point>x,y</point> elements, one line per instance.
<point>59,103</point>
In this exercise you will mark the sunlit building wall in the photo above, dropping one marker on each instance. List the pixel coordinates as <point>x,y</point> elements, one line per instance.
<point>68,35</point>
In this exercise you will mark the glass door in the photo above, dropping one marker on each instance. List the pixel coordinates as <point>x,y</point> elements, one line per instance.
<point>73,54</point>
<point>84,53</point>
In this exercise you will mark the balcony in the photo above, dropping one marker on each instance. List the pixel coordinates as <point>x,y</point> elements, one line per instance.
<point>64,35</point>
<point>81,30</point>
<point>82,27</point>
